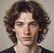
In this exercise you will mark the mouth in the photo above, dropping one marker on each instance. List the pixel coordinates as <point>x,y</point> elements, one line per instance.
<point>27,38</point>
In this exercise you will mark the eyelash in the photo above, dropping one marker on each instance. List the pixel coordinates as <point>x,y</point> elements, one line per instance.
<point>33,24</point>
<point>20,24</point>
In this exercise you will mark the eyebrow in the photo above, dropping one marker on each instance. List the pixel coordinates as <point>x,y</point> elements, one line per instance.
<point>18,22</point>
<point>23,22</point>
<point>33,22</point>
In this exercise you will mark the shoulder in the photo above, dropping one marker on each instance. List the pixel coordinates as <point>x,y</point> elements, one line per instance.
<point>44,50</point>
<point>8,50</point>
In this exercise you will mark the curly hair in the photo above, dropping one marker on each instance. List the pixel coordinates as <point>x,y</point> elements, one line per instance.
<point>38,14</point>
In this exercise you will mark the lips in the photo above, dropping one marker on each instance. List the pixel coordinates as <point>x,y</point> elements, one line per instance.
<point>27,38</point>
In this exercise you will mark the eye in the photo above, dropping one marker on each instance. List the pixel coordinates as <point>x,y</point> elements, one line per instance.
<point>19,24</point>
<point>33,24</point>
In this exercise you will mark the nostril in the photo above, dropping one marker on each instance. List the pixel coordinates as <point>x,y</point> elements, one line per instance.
<point>26,30</point>
<point>27,33</point>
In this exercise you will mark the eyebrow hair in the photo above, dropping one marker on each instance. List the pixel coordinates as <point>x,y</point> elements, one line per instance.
<point>18,22</point>
<point>28,22</point>
<point>33,22</point>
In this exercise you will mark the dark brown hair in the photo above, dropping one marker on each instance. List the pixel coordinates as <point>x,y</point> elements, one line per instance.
<point>38,13</point>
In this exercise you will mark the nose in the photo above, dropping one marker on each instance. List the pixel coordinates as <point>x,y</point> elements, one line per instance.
<point>26,30</point>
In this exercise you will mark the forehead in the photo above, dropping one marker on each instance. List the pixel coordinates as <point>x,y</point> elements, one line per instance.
<point>25,17</point>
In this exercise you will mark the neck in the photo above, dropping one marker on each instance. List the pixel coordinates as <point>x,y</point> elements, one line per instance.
<point>19,48</point>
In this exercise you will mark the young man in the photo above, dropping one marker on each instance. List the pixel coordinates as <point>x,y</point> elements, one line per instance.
<point>27,25</point>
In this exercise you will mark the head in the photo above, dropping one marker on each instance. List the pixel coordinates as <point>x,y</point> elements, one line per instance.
<point>28,10</point>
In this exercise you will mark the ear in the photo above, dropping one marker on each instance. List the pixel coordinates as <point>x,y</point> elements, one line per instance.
<point>13,30</point>
<point>40,29</point>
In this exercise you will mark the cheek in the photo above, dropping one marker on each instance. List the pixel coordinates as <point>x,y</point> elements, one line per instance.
<point>34,31</point>
<point>19,32</point>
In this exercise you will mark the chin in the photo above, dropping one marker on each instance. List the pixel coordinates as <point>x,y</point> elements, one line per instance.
<point>27,43</point>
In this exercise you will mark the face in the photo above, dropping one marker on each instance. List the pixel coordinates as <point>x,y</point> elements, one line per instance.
<point>26,29</point>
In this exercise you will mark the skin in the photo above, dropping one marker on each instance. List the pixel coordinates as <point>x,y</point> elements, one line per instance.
<point>26,30</point>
